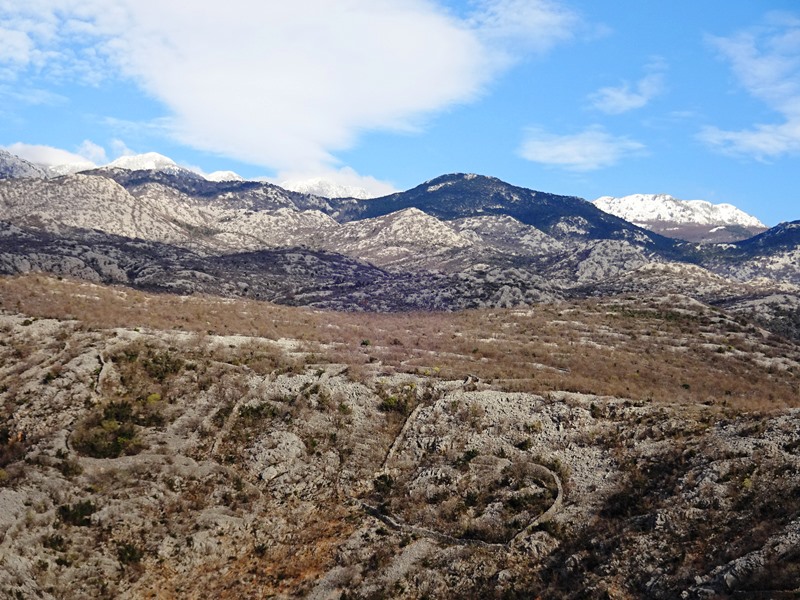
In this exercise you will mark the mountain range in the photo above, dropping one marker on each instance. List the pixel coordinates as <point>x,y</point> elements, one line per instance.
<point>456,241</point>
<point>690,220</point>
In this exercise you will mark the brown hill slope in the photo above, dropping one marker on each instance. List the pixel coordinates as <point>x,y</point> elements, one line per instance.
<point>164,446</point>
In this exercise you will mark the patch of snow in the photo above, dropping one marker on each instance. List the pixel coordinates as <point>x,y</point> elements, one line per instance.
<point>438,186</point>
<point>69,168</point>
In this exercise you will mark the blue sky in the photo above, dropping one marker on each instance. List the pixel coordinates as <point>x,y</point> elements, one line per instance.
<point>700,100</point>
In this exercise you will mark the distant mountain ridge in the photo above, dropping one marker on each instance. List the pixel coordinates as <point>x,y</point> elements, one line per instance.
<point>150,161</point>
<point>13,167</point>
<point>461,195</point>
<point>444,197</point>
<point>690,220</point>
<point>457,241</point>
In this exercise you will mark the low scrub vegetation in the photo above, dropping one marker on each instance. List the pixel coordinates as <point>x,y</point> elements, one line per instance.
<point>645,350</point>
<point>142,454</point>
<point>109,433</point>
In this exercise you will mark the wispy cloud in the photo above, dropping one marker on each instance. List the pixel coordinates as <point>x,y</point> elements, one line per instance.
<point>627,96</point>
<point>93,152</point>
<point>15,47</point>
<point>31,96</point>
<point>766,63</point>
<point>48,155</point>
<point>287,85</point>
<point>515,27</point>
<point>592,149</point>
<point>119,148</point>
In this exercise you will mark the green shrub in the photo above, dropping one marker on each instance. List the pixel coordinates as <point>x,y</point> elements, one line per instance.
<point>160,365</point>
<point>463,460</point>
<point>55,542</point>
<point>113,430</point>
<point>128,553</point>
<point>77,514</point>
<point>69,468</point>
<point>524,444</point>
<point>107,439</point>
<point>383,484</point>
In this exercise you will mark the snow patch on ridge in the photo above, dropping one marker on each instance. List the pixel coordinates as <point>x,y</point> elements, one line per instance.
<point>438,186</point>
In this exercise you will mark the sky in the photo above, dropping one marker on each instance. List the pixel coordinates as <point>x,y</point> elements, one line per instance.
<point>700,100</point>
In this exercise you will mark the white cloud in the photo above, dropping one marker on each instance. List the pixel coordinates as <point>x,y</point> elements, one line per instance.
<point>47,155</point>
<point>509,26</point>
<point>15,47</point>
<point>119,148</point>
<point>93,152</point>
<point>287,85</point>
<point>766,62</point>
<point>626,97</point>
<point>31,96</point>
<point>46,43</point>
<point>761,142</point>
<point>592,149</point>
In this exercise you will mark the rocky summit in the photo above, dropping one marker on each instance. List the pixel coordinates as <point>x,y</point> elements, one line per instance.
<point>222,388</point>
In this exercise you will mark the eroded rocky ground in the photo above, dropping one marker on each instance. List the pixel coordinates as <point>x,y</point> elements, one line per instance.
<point>144,462</point>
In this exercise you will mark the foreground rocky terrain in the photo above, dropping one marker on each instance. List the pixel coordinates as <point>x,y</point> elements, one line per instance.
<point>159,446</point>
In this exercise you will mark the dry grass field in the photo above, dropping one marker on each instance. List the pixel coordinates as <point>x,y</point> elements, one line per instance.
<point>670,349</point>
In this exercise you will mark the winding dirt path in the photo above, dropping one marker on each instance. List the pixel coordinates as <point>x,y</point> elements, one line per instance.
<point>396,523</point>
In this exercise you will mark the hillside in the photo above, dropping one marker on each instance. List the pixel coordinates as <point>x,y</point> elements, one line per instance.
<point>456,242</point>
<point>201,446</point>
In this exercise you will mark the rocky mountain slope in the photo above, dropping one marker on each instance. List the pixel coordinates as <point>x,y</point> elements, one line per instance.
<point>158,445</point>
<point>458,196</point>
<point>295,276</point>
<point>690,220</point>
<point>454,242</point>
<point>772,254</point>
<point>12,167</point>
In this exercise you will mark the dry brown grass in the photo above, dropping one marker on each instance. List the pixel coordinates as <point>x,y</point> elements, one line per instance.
<point>653,350</point>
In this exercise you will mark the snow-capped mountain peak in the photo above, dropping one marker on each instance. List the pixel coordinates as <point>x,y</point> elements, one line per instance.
<point>220,176</point>
<point>326,188</point>
<point>649,208</point>
<point>152,161</point>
